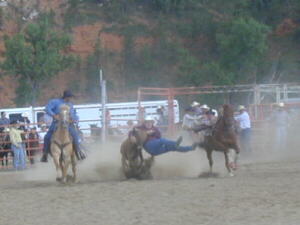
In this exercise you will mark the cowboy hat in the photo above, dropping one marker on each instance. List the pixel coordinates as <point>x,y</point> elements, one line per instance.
<point>67,94</point>
<point>215,111</point>
<point>241,107</point>
<point>204,107</point>
<point>281,104</point>
<point>194,104</point>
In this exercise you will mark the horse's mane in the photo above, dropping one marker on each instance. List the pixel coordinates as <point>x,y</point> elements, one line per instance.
<point>226,121</point>
<point>64,107</point>
<point>227,111</point>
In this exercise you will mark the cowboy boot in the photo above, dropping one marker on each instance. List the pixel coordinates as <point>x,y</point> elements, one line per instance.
<point>178,142</point>
<point>44,157</point>
<point>79,154</point>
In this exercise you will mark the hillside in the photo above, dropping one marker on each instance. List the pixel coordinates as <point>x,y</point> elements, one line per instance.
<point>161,43</point>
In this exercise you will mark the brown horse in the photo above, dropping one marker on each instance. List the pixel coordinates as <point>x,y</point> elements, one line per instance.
<point>133,163</point>
<point>62,148</point>
<point>223,139</point>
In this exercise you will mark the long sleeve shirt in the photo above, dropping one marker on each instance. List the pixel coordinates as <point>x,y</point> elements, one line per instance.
<point>15,136</point>
<point>53,108</point>
<point>244,120</point>
<point>190,121</point>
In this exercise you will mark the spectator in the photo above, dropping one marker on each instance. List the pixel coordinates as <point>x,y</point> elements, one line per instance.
<point>24,121</point>
<point>17,146</point>
<point>204,109</point>
<point>190,119</point>
<point>130,125</point>
<point>281,121</point>
<point>244,124</point>
<point>141,115</point>
<point>197,108</point>
<point>42,134</point>
<point>33,144</point>
<point>4,121</point>
<point>161,120</point>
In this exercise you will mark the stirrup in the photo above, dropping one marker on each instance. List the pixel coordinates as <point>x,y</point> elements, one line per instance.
<point>80,155</point>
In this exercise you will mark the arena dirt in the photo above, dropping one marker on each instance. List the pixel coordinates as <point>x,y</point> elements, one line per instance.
<point>264,191</point>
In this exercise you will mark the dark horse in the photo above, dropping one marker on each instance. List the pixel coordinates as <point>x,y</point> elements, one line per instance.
<point>223,139</point>
<point>4,148</point>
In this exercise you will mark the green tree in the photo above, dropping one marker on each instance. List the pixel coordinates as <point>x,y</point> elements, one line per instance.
<point>35,56</point>
<point>92,73</point>
<point>242,44</point>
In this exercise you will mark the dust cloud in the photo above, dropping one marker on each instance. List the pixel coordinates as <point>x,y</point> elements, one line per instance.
<point>104,164</point>
<point>104,161</point>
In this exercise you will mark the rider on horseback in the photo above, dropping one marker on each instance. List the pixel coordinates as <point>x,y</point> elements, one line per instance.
<point>53,109</point>
<point>207,123</point>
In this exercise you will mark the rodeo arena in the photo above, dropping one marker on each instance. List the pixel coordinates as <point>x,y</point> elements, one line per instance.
<point>166,158</point>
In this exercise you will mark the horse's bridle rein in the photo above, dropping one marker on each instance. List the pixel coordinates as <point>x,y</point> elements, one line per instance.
<point>65,123</point>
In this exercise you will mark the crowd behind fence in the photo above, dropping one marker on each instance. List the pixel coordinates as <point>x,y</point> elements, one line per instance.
<point>34,133</point>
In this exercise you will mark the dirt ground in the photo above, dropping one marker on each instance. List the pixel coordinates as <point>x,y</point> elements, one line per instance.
<point>264,191</point>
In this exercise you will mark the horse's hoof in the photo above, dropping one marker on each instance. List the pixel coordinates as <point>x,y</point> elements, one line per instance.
<point>74,180</point>
<point>59,180</point>
<point>69,178</point>
<point>233,166</point>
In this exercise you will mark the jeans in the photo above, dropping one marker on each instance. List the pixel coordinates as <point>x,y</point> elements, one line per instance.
<point>52,128</point>
<point>245,138</point>
<point>19,156</point>
<point>159,146</point>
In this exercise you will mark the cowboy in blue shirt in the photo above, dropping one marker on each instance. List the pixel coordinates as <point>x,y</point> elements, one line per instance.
<point>53,109</point>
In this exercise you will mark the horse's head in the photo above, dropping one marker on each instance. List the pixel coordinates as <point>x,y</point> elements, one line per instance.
<point>64,115</point>
<point>138,136</point>
<point>227,114</point>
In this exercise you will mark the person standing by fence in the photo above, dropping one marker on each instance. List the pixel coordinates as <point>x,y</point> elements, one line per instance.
<point>4,121</point>
<point>280,118</point>
<point>244,122</point>
<point>17,146</point>
<point>33,144</point>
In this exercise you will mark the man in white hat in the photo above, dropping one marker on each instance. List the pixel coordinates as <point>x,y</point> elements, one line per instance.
<point>204,108</point>
<point>197,108</point>
<point>280,118</point>
<point>244,123</point>
<point>156,145</point>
